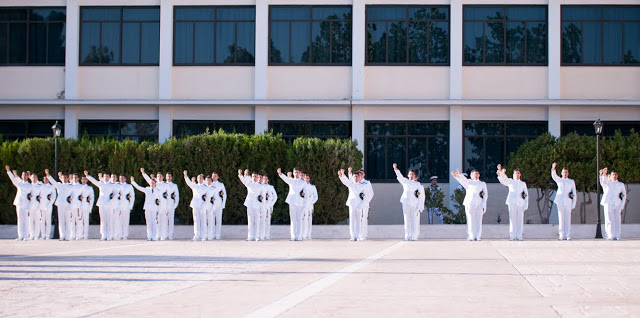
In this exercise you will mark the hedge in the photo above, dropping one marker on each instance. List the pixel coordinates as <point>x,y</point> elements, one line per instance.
<point>221,152</point>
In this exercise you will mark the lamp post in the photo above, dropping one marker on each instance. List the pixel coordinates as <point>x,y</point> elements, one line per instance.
<point>57,130</point>
<point>598,126</point>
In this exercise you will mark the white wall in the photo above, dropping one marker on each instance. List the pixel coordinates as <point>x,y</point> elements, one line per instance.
<point>211,113</point>
<point>31,82</point>
<point>306,113</point>
<point>21,112</point>
<point>121,112</point>
<point>406,82</point>
<point>613,82</point>
<point>309,82</point>
<point>213,82</point>
<point>489,82</point>
<point>118,82</point>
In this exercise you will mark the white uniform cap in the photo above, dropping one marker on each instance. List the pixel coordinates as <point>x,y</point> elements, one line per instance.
<point>434,177</point>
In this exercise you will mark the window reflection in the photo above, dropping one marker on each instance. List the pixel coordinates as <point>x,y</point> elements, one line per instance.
<point>34,36</point>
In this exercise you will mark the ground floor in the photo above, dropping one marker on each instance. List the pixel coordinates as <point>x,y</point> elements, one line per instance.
<point>320,278</point>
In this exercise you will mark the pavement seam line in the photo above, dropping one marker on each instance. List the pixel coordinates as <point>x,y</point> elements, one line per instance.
<point>298,296</point>
<point>69,252</point>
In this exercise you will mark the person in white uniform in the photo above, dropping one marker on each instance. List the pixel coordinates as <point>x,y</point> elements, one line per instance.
<point>475,202</point>
<point>310,199</point>
<point>172,204</point>
<point>365,197</point>
<point>48,195</point>
<point>412,199</point>
<point>354,202</point>
<point>152,205</point>
<point>613,200</point>
<point>34,207</point>
<point>517,201</point>
<point>104,203</point>
<point>254,202</point>
<point>295,199</point>
<point>565,200</point>
<point>211,206</point>
<point>85,208</point>
<point>198,201</point>
<point>163,214</point>
<point>271,196</point>
<point>22,201</point>
<point>222,197</point>
<point>64,202</point>
<point>127,198</point>
<point>76,221</point>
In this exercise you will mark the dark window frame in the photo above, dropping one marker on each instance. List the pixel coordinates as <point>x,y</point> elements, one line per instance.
<point>121,22</point>
<point>28,23</point>
<point>310,20</point>
<point>407,20</point>
<point>406,137</point>
<point>505,20</point>
<point>349,124</point>
<point>215,20</point>
<point>215,122</point>
<point>564,132</point>
<point>487,176</point>
<point>27,122</point>
<point>119,135</point>
<point>602,20</point>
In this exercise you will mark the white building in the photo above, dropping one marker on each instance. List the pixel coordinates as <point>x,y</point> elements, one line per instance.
<point>432,85</point>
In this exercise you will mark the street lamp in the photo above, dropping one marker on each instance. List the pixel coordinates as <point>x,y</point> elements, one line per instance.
<point>598,126</point>
<point>57,130</point>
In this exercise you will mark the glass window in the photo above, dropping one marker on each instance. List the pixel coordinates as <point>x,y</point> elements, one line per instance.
<point>610,127</point>
<point>21,129</point>
<point>600,35</point>
<point>137,130</point>
<point>407,35</point>
<point>214,36</point>
<point>291,130</point>
<point>119,35</point>
<point>183,128</point>
<point>505,35</point>
<point>487,144</point>
<point>310,35</point>
<point>420,146</point>
<point>32,36</point>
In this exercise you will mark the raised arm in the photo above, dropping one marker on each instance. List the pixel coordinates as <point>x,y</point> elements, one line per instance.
<point>554,174</point>
<point>145,176</point>
<point>135,185</point>
<point>188,181</point>
<point>464,182</point>
<point>53,181</point>
<point>11,177</point>
<point>284,178</point>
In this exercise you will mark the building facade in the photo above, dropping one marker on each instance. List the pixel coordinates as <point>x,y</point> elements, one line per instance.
<point>431,85</point>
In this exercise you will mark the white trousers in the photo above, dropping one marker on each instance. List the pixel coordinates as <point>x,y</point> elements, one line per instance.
<point>564,222</point>
<point>125,217</point>
<point>85,226</point>
<point>295,215</point>
<point>77,224</point>
<point>217,220</point>
<point>474,222</point>
<point>364,224</point>
<point>45,222</point>
<point>22,214</point>
<point>307,219</point>
<point>163,224</point>
<point>411,221</point>
<point>209,224</point>
<point>171,213</point>
<point>105,223</point>
<point>64,218</point>
<point>116,223</point>
<point>612,221</point>
<point>253,215</point>
<point>34,224</point>
<point>199,224</point>
<point>265,228</point>
<point>516,221</point>
<point>355,220</point>
<point>151,217</point>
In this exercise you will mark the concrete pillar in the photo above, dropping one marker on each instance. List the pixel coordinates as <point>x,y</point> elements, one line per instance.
<point>357,49</point>
<point>70,122</point>
<point>456,144</point>
<point>261,119</point>
<point>166,50</point>
<point>357,126</point>
<point>72,50</point>
<point>555,31</point>
<point>555,127</point>
<point>165,123</point>
<point>261,51</point>
<point>455,54</point>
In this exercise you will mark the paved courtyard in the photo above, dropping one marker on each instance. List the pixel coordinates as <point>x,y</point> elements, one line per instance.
<point>320,278</point>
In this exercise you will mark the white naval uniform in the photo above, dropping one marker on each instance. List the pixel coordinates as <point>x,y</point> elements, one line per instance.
<point>22,202</point>
<point>163,214</point>
<point>517,202</point>
<point>47,197</point>
<point>565,200</point>
<point>34,211</point>
<point>172,204</point>
<point>271,197</point>
<point>76,220</point>
<point>355,206</point>
<point>212,205</point>
<point>412,199</point>
<point>198,201</point>
<point>613,200</point>
<point>475,205</point>
<point>152,204</point>
<point>435,213</point>
<point>295,201</point>
<point>127,199</point>
<point>254,202</point>
<point>65,204</point>
<point>104,205</point>
<point>85,208</point>
<point>217,215</point>
<point>365,197</point>
<point>310,198</point>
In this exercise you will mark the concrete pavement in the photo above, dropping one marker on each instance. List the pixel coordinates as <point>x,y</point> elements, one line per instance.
<point>320,278</point>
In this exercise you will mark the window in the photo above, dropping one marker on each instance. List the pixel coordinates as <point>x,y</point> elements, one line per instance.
<point>34,36</point>
<point>610,127</point>
<point>487,144</point>
<point>505,35</point>
<point>137,130</point>
<point>183,128</point>
<point>21,129</point>
<point>291,130</point>
<point>310,35</point>
<point>600,35</point>
<point>214,36</point>
<point>407,35</point>
<point>421,146</point>
<point>119,35</point>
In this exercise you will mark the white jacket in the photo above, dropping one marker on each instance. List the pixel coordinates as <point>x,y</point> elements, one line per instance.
<point>255,193</point>
<point>353,200</point>
<point>23,196</point>
<point>162,186</point>
<point>518,192</point>
<point>412,192</point>
<point>65,200</point>
<point>199,193</point>
<point>476,193</point>
<point>213,200</point>
<point>106,191</point>
<point>47,196</point>
<point>222,193</point>
<point>174,195</point>
<point>614,192</point>
<point>311,196</point>
<point>294,197</point>
<point>270,195</point>
<point>566,194</point>
<point>152,197</point>
<point>89,198</point>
